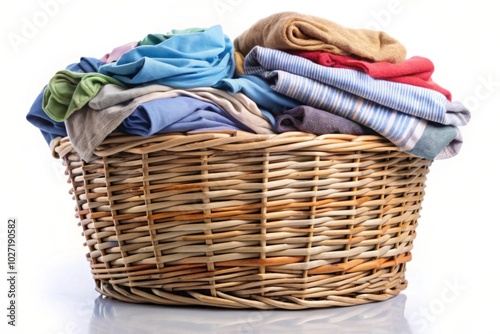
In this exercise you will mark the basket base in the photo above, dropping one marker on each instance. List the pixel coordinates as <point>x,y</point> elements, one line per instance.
<point>328,299</point>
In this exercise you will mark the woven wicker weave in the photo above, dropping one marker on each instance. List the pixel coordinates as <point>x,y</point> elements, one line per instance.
<point>238,220</point>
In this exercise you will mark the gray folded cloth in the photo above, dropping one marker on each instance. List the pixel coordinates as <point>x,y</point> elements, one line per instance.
<point>312,120</point>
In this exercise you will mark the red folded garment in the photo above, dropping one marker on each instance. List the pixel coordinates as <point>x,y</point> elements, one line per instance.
<point>415,71</point>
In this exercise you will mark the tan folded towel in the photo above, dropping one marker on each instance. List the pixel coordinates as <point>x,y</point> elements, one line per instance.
<point>239,61</point>
<point>291,31</point>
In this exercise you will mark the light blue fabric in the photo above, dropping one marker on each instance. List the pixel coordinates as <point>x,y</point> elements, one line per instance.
<point>182,61</point>
<point>370,102</point>
<point>260,91</point>
<point>270,102</point>
<point>176,114</point>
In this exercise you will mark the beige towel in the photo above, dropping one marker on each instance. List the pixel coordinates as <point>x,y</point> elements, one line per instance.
<point>289,31</point>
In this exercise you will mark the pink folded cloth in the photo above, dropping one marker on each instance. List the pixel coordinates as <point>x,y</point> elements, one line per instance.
<point>117,52</point>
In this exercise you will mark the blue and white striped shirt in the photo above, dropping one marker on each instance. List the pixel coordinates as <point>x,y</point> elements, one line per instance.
<point>416,119</point>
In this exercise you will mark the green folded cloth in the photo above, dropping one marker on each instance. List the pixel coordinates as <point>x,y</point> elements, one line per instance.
<point>154,39</point>
<point>70,91</point>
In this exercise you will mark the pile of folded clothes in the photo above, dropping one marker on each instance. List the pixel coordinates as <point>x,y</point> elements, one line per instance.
<point>287,72</point>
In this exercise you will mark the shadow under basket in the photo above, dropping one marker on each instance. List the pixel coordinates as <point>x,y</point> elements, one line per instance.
<point>239,220</point>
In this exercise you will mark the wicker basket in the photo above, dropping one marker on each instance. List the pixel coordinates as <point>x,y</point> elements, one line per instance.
<point>238,220</point>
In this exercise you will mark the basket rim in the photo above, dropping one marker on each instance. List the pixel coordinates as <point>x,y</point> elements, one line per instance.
<point>231,141</point>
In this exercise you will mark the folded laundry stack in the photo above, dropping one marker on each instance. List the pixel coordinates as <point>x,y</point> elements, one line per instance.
<point>287,72</point>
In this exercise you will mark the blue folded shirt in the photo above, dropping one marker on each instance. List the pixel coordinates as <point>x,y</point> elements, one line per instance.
<point>177,114</point>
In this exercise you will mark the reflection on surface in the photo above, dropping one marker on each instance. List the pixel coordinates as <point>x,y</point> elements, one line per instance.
<point>113,316</point>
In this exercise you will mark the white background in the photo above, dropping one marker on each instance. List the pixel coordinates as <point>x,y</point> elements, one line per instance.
<point>453,277</point>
